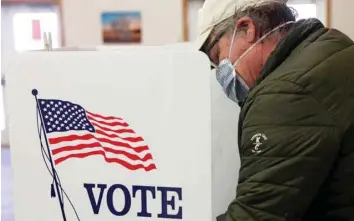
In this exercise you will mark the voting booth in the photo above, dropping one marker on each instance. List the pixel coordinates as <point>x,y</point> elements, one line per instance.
<point>142,135</point>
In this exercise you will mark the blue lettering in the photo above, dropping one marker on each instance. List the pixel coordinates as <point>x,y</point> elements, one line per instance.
<point>144,190</point>
<point>127,200</point>
<point>89,187</point>
<point>169,209</point>
<point>165,203</point>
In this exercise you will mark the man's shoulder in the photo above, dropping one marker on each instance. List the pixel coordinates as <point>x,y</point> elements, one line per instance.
<point>319,57</point>
<point>319,68</point>
<point>325,87</point>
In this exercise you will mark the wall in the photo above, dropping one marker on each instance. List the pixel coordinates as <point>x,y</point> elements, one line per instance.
<point>342,16</point>
<point>86,18</point>
<point>161,20</point>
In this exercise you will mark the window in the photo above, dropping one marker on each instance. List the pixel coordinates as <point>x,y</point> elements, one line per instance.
<point>29,29</point>
<point>305,10</point>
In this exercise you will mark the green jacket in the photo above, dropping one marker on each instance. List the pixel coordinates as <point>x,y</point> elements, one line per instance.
<point>296,133</point>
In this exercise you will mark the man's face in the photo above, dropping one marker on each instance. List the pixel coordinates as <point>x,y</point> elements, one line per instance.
<point>219,48</point>
<point>223,45</point>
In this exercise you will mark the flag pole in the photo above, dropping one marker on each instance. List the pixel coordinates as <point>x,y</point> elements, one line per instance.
<point>35,93</point>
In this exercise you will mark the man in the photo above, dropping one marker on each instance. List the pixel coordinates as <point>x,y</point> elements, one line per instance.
<point>294,82</point>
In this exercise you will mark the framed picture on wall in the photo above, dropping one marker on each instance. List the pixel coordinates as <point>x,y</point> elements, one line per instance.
<point>121,27</point>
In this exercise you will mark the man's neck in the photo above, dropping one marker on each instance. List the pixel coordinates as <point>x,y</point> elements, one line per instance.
<point>270,45</point>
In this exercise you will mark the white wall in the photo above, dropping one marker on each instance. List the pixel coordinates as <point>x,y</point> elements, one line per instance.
<point>342,16</point>
<point>161,20</point>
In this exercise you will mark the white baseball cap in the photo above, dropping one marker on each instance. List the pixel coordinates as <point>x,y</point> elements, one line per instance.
<point>214,12</point>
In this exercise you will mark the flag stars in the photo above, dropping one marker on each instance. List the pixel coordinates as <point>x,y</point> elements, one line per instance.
<point>59,116</point>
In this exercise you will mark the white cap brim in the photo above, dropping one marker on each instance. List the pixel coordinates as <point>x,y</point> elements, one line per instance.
<point>199,42</point>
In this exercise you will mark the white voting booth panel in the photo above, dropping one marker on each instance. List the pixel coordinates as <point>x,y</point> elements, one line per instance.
<point>182,46</point>
<point>142,135</point>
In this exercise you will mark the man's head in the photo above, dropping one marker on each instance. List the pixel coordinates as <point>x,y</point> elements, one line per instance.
<point>251,19</point>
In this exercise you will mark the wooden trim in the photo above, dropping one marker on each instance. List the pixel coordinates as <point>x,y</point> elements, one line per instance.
<point>61,25</point>
<point>42,2</point>
<point>185,26</point>
<point>329,13</point>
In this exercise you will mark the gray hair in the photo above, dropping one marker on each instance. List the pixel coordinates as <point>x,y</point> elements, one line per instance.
<point>266,16</point>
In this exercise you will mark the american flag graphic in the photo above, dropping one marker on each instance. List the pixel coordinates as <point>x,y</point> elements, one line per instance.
<point>74,132</point>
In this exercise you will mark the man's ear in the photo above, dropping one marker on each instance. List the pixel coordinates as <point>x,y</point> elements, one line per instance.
<point>247,26</point>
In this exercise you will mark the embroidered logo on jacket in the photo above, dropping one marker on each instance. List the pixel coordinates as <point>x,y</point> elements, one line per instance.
<point>258,140</point>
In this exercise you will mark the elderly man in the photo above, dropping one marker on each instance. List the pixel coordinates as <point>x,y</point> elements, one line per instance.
<point>294,82</point>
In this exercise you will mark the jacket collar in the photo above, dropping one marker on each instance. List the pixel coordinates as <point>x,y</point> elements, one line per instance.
<point>300,31</point>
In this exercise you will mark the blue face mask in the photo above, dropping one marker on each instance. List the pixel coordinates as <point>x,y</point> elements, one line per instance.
<point>231,82</point>
<point>233,85</point>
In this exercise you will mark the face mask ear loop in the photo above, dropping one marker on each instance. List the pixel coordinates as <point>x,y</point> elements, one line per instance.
<point>232,42</point>
<point>260,40</point>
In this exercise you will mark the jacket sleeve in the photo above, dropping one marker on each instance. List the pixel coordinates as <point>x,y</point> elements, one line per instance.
<point>288,145</point>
